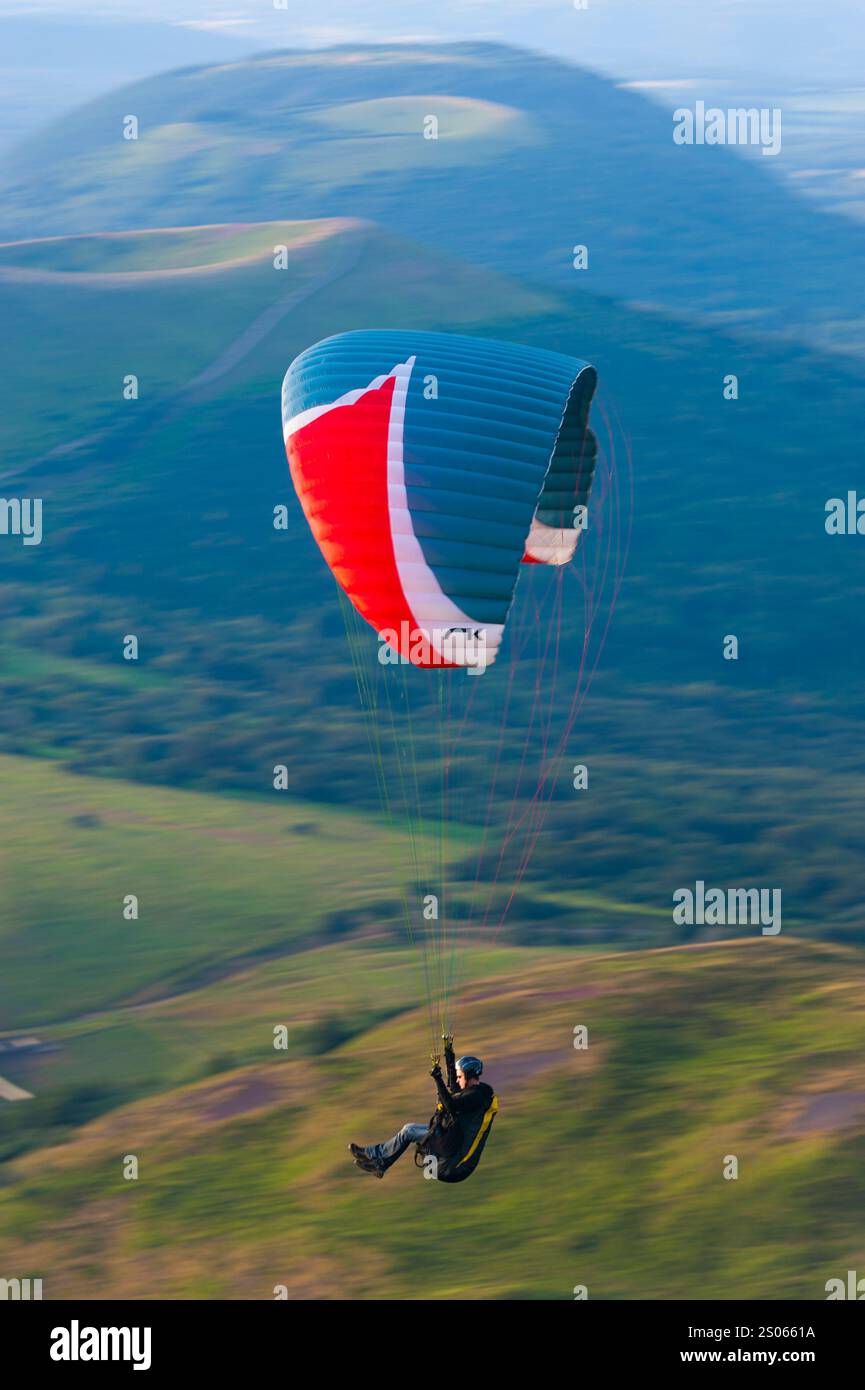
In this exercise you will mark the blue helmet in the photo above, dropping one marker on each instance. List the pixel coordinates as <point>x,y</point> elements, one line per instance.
<point>470,1066</point>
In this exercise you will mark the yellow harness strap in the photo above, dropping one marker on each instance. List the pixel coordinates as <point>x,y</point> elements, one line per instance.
<point>485,1124</point>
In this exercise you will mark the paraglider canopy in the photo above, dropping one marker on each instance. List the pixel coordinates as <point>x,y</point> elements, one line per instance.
<point>429,467</point>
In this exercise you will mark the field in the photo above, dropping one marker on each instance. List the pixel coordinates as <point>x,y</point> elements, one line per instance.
<point>217,878</point>
<point>605,1167</point>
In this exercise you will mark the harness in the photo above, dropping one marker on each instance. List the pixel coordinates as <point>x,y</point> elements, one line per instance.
<point>441,1120</point>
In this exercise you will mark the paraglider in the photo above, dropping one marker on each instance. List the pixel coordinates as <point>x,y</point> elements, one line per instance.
<point>432,469</point>
<point>451,1145</point>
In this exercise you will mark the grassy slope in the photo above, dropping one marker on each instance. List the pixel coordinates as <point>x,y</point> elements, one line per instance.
<point>81,329</point>
<point>216,878</point>
<point>181,1036</point>
<point>694,1054</point>
<point>82,337</point>
<point>172,248</point>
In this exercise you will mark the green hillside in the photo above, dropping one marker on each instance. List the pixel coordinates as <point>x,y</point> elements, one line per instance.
<point>89,311</point>
<point>532,156</point>
<point>168,305</point>
<point>170,248</point>
<point>604,1168</point>
<point>218,880</point>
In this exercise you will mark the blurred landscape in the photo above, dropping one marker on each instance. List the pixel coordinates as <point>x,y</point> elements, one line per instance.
<point>259,909</point>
